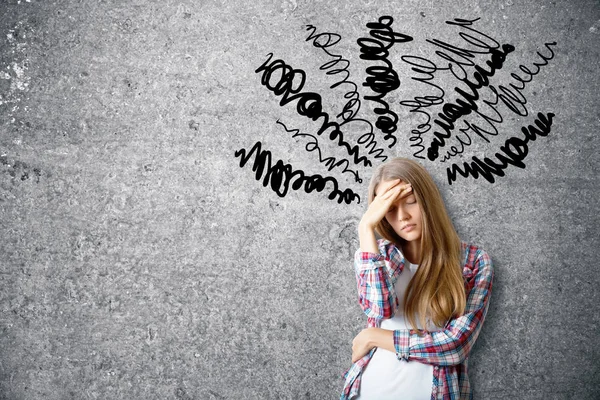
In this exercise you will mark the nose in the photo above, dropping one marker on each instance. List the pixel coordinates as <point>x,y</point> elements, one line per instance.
<point>401,213</point>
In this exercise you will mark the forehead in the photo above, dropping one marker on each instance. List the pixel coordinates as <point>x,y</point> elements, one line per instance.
<point>384,185</point>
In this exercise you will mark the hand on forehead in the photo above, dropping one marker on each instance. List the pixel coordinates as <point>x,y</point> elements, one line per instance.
<point>384,186</point>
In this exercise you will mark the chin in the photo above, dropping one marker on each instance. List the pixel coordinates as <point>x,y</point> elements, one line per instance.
<point>411,237</point>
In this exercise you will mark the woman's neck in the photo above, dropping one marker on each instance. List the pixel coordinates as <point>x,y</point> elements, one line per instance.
<point>411,251</point>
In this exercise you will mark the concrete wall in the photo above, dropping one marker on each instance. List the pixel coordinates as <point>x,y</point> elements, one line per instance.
<point>138,260</point>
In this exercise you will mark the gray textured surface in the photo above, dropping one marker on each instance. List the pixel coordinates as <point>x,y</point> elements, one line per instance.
<point>138,260</point>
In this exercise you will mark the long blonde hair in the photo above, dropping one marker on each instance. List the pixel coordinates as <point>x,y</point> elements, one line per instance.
<point>437,289</point>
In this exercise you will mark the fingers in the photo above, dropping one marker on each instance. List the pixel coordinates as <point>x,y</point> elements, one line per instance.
<point>406,191</point>
<point>355,355</point>
<point>389,186</point>
<point>389,192</point>
<point>385,186</point>
<point>397,191</point>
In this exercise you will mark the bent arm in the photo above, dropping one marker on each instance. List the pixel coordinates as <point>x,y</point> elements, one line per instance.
<point>452,345</point>
<point>376,294</point>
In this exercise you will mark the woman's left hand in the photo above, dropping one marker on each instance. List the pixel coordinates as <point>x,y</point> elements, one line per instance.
<point>361,344</point>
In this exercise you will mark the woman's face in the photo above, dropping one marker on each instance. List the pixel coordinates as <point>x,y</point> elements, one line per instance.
<point>404,215</point>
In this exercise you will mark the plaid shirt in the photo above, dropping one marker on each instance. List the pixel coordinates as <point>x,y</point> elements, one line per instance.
<point>447,350</point>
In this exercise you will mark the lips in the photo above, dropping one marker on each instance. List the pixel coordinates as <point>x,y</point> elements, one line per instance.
<point>408,227</point>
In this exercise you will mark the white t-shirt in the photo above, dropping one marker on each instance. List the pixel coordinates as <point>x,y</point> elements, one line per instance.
<point>387,377</point>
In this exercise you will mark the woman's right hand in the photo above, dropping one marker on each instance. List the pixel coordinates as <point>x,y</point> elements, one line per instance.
<point>387,193</point>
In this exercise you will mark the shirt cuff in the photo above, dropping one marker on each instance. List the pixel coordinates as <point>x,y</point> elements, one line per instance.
<point>367,255</point>
<point>402,344</point>
<point>366,260</point>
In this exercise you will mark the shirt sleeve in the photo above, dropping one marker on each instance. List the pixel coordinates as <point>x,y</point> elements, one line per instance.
<point>376,294</point>
<point>451,346</point>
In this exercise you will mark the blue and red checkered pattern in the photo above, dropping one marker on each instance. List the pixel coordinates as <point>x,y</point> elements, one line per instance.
<point>448,349</point>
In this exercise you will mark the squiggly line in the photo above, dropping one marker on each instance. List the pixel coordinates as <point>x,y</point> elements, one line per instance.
<point>323,41</point>
<point>509,98</point>
<point>290,82</point>
<point>451,112</point>
<point>330,162</point>
<point>457,58</point>
<point>382,79</point>
<point>281,176</point>
<point>426,67</point>
<point>515,150</point>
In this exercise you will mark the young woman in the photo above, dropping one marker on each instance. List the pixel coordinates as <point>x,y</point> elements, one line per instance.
<point>425,293</point>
